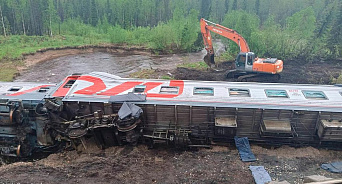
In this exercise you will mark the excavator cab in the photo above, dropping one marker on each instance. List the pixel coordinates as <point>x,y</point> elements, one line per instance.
<point>244,61</point>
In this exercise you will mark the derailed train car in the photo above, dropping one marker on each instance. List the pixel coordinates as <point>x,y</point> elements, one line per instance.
<point>117,111</point>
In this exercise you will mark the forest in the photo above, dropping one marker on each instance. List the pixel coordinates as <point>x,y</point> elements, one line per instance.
<point>306,30</point>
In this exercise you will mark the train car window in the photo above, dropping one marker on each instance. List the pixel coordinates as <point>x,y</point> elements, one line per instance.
<point>43,89</point>
<point>276,93</point>
<point>314,95</point>
<point>168,90</point>
<point>203,91</point>
<point>15,88</point>
<point>239,92</point>
<point>139,89</point>
<point>69,84</point>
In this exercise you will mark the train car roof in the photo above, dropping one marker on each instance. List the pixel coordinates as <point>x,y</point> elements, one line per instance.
<point>99,87</point>
<point>25,90</point>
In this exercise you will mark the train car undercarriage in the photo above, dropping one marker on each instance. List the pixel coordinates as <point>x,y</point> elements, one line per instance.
<point>37,127</point>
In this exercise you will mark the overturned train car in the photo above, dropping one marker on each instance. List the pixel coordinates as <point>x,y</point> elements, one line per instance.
<point>114,111</point>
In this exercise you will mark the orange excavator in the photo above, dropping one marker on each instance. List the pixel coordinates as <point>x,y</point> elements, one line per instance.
<point>248,67</point>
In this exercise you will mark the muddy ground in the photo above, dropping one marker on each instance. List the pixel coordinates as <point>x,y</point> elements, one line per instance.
<point>127,164</point>
<point>52,66</point>
<point>164,165</point>
<point>294,72</point>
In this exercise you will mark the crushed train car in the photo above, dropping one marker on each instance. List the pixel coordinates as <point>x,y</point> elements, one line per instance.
<point>117,111</point>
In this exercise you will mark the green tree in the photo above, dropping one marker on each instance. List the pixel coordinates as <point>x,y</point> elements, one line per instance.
<point>226,5</point>
<point>235,5</point>
<point>302,24</point>
<point>219,9</point>
<point>257,7</point>
<point>93,14</point>
<point>205,8</point>
<point>242,22</point>
<point>50,16</point>
<point>335,36</point>
<point>3,21</point>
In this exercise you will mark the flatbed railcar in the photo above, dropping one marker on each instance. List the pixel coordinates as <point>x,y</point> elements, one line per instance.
<point>115,111</point>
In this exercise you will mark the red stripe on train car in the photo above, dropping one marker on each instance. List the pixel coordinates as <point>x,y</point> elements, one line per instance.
<point>151,85</point>
<point>96,87</point>
<point>174,83</point>
<point>63,90</point>
<point>120,88</point>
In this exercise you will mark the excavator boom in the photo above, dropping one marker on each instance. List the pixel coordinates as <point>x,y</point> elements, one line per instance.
<point>207,26</point>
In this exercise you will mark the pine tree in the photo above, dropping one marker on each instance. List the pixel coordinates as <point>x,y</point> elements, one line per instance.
<point>335,37</point>
<point>226,5</point>
<point>257,7</point>
<point>93,13</point>
<point>2,21</point>
<point>235,5</point>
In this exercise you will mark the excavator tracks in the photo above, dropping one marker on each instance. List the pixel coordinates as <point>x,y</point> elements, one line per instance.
<point>240,76</point>
<point>259,77</point>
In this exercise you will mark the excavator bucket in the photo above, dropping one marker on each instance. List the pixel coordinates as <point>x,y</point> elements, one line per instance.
<point>209,59</point>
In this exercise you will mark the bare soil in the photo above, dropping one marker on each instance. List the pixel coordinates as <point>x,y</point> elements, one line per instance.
<point>295,72</point>
<point>164,165</point>
<point>127,164</point>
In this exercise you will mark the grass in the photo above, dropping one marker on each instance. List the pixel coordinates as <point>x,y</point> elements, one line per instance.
<point>167,77</point>
<point>224,57</point>
<point>337,80</point>
<point>8,70</point>
<point>142,74</point>
<point>201,65</point>
<point>12,47</point>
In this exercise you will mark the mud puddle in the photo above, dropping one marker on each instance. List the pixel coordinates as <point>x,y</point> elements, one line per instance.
<point>118,64</point>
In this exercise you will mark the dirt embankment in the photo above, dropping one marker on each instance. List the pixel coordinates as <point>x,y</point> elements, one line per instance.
<point>296,72</point>
<point>164,165</point>
<point>47,54</point>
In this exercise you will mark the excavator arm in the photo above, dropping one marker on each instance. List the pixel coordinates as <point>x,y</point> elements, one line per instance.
<point>207,26</point>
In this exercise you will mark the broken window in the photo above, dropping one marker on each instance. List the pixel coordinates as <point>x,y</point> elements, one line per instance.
<point>276,93</point>
<point>226,126</point>
<point>139,89</point>
<point>319,95</point>
<point>69,84</point>
<point>204,91</point>
<point>168,90</point>
<point>239,92</point>
<point>229,121</point>
<point>15,88</point>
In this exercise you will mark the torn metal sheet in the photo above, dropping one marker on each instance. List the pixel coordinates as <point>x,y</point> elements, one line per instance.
<point>129,109</point>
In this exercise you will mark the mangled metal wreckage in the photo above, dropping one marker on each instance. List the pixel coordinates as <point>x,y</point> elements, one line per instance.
<point>115,111</point>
